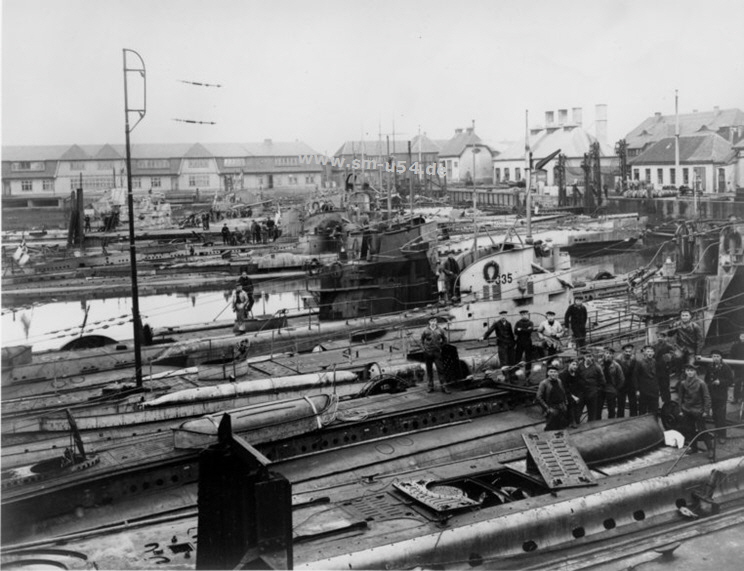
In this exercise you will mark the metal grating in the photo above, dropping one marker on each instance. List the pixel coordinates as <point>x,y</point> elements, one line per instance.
<point>558,462</point>
<point>379,507</point>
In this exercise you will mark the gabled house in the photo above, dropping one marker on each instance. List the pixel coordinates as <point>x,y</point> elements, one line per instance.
<point>728,123</point>
<point>466,157</point>
<point>45,175</point>
<point>707,163</point>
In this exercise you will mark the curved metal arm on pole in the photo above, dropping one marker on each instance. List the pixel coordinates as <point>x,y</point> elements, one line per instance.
<point>141,70</point>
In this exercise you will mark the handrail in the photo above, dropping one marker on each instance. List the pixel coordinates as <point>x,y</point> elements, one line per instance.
<point>694,441</point>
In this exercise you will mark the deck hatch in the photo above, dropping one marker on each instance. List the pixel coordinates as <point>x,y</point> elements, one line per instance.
<point>557,460</point>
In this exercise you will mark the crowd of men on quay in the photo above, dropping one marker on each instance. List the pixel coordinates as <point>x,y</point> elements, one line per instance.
<point>636,379</point>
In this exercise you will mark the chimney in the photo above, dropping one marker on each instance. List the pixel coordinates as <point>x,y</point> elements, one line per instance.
<point>469,130</point>
<point>716,110</point>
<point>600,120</point>
<point>562,117</point>
<point>576,113</point>
<point>548,118</point>
<point>458,131</point>
<point>267,141</point>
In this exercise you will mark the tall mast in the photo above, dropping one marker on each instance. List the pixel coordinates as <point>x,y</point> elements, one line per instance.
<point>528,175</point>
<point>676,138</point>
<point>140,110</point>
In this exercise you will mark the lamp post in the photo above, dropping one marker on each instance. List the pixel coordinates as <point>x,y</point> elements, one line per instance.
<point>140,110</point>
<point>475,151</point>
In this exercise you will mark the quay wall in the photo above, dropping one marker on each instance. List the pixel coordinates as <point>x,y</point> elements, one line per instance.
<point>661,210</point>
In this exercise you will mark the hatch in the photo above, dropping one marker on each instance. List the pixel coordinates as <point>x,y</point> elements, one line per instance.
<point>557,460</point>
<point>481,490</point>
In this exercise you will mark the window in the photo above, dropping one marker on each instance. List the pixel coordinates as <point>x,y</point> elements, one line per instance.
<point>309,179</point>
<point>198,163</point>
<point>449,166</point>
<point>196,180</point>
<point>27,185</point>
<point>517,174</point>
<point>155,182</point>
<point>497,174</point>
<point>506,174</point>
<point>136,182</point>
<point>105,165</point>
<point>672,176</point>
<point>27,166</point>
<point>636,174</point>
<point>77,166</point>
<point>291,179</point>
<point>660,176</point>
<point>454,164</point>
<point>153,164</point>
<point>260,180</point>
<point>647,175</point>
<point>686,176</point>
<point>47,184</point>
<point>235,162</point>
<point>286,161</point>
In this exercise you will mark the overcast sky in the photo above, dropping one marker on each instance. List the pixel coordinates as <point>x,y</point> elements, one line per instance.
<point>324,72</point>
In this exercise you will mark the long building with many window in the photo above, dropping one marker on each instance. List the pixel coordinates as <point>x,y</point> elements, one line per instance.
<point>45,175</point>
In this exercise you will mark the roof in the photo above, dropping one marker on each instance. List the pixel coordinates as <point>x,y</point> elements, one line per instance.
<point>462,140</point>
<point>705,148</point>
<point>154,151</point>
<point>381,148</point>
<point>660,126</point>
<point>572,140</point>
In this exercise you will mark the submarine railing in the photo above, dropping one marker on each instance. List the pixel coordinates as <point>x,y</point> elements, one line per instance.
<point>696,438</point>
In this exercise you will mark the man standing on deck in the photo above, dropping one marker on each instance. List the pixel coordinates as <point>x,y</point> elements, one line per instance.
<point>628,391</point>
<point>614,383</point>
<point>505,340</point>
<point>573,383</point>
<point>550,332</point>
<point>433,339</point>
<point>663,352</point>
<point>551,396</point>
<point>575,320</point>
<point>523,331</point>
<point>647,382</point>
<point>689,338</point>
<point>451,271</point>
<point>594,386</point>
<point>225,234</point>
<point>247,285</point>
<point>718,377</point>
<point>694,402</point>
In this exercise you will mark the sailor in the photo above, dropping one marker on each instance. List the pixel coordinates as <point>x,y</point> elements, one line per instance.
<point>646,379</point>
<point>573,382</point>
<point>575,320</point>
<point>225,234</point>
<point>523,331</point>
<point>451,271</point>
<point>551,396</point>
<point>718,377</point>
<point>689,338</point>
<point>247,284</point>
<point>737,352</point>
<point>629,389</point>
<point>593,386</point>
<point>614,382</point>
<point>505,339</point>
<point>550,332</point>
<point>441,283</point>
<point>87,223</point>
<point>694,402</point>
<point>663,352</point>
<point>433,339</point>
